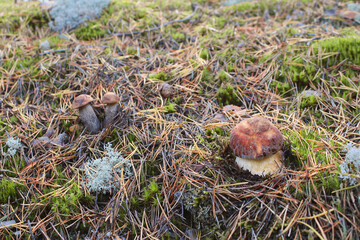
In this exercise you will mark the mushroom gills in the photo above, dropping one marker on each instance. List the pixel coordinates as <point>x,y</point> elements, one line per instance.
<point>264,166</point>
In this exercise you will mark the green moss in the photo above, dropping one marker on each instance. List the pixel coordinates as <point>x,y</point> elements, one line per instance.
<point>291,31</point>
<point>226,96</point>
<point>281,87</point>
<point>204,54</point>
<point>266,57</point>
<point>66,198</point>
<point>179,36</point>
<point>345,48</point>
<point>132,137</point>
<point>14,119</point>
<point>306,1</point>
<point>198,203</point>
<point>220,22</point>
<point>329,183</point>
<point>38,19</point>
<point>14,165</point>
<point>230,68</point>
<point>308,101</point>
<point>55,41</point>
<point>10,190</point>
<point>309,143</point>
<point>18,16</point>
<point>91,31</point>
<point>223,76</point>
<point>349,31</point>
<point>151,196</point>
<point>217,130</point>
<point>160,76</point>
<point>207,76</point>
<point>170,108</point>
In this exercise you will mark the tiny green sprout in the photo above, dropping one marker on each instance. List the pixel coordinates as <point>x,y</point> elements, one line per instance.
<point>134,201</point>
<point>107,51</point>
<point>170,108</point>
<point>157,200</point>
<point>146,195</point>
<point>153,187</point>
<point>205,54</point>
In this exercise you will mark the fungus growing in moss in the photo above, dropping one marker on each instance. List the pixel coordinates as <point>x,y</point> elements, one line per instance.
<point>87,114</point>
<point>112,107</point>
<point>257,144</point>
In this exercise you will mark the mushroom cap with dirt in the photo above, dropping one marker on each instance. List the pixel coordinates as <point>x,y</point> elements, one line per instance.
<point>112,107</point>
<point>86,112</point>
<point>257,144</point>
<point>166,90</point>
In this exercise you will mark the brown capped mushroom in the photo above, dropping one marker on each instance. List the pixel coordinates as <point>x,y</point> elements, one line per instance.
<point>257,143</point>
<point>166,90</point>
<point>87,114</point>
<point>112,107</point>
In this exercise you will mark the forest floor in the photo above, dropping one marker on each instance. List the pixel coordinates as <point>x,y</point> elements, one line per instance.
<point>163,169</point>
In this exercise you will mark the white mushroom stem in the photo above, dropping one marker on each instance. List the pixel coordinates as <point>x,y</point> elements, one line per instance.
<point>89,118</point>
<point>111,110</point>
<point>267,165</point>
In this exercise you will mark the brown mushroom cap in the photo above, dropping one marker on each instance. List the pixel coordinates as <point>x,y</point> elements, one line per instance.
<point>110,98</point>
<point>166,90</point>
<point>82,100</point>
<point>255,138</point>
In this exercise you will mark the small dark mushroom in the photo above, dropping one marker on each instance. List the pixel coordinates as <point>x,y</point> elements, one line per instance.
<point>112,107</point>
<point>87,114</point>
<point>166,90</point>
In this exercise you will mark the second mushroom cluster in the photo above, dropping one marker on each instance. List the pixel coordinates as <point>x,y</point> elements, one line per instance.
<point>87,113</point>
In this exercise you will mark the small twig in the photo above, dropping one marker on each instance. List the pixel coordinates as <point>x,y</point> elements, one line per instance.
<point>53,51</point>
<point>30,230</point>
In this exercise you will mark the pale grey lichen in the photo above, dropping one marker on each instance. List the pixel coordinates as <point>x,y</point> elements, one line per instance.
<point>13,146</point>
<point>68,14</point>
<point>100,172</point>
<point>350,167</point>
